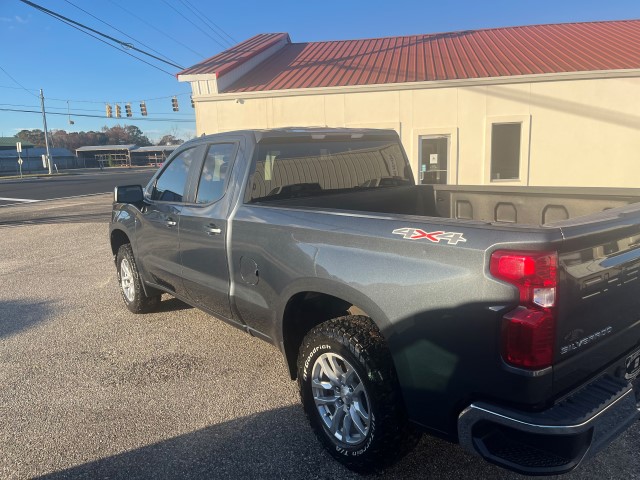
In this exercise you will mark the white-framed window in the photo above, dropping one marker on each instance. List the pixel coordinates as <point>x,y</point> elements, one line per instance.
<point>507,154</point>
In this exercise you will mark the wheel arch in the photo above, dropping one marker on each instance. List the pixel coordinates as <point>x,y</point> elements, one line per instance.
<point>307,307</point>
<point>118,238</point>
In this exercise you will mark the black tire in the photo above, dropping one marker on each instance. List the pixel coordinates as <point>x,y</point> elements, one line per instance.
<point>134,297</point>
<point>387,435</point>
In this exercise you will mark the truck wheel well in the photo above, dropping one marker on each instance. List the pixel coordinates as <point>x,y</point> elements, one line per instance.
<point>303,312</point>
<point>118,238</point>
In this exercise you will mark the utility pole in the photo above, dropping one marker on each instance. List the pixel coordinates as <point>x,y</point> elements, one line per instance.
<point>46,134</point>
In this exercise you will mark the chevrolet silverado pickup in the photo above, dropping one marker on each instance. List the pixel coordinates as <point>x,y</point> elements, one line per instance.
<point>506,319</point>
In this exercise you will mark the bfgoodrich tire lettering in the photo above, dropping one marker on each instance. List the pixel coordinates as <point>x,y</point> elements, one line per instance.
<point>130,283</point>
<point>350,394</point>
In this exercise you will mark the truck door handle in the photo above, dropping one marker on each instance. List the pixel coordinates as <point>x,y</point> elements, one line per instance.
<point>212,229</point>
<point>171,223</point>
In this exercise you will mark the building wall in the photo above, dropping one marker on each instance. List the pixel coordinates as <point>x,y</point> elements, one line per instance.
<point>583,132</point>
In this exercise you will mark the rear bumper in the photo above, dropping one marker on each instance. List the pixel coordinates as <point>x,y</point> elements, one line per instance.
<point>556,440</point>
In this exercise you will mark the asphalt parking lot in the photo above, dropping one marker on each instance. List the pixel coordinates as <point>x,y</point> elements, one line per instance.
<point>89,390</point>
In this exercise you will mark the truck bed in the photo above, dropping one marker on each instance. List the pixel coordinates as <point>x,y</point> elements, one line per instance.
<point>513,205</point>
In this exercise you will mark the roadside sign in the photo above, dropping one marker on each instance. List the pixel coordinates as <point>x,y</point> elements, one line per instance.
<point>20,161</point>
<point>19,147</point>
<point>44,161</point>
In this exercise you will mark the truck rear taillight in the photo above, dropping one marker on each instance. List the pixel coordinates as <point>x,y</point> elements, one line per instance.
<point>528,332</point>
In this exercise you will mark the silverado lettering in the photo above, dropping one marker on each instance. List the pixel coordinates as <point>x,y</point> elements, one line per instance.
<point>580,343</point>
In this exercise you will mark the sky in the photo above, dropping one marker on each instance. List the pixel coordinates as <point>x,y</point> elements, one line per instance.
<point>80,74</point>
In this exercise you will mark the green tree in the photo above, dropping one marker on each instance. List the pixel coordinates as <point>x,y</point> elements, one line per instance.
<point>130,134</point>
<point>33,136</point>
<point>170,140</point>
<point>116,135</point>
<point>136,136</point>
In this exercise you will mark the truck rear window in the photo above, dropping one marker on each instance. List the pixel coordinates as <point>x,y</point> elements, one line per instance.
<point>311,168</point>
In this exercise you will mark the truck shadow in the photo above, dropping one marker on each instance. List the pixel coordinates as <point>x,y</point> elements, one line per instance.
<point>17,316</point>
<point>272,444</point>
<point>172,304</point>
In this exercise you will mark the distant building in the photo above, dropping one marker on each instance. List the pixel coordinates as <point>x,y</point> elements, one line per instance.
<point>152,155</point>
<point>31,157</point>
<point>105,155</point>
<point>122,155</point>
<point>543,105</point>
<point>9,143</point>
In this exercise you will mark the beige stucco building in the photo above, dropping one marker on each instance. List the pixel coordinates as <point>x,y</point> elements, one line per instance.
<point>550,105</point>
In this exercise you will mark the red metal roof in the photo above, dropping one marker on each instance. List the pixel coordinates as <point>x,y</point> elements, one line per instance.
<point>235,56</point>
<point>497,52</point>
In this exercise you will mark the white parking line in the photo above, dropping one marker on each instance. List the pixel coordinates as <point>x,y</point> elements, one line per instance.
<point>24,200</point>
<point>74,196</point>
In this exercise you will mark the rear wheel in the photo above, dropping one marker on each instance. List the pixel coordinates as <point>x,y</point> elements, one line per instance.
<point>131,285</point>
<point>350,394</point>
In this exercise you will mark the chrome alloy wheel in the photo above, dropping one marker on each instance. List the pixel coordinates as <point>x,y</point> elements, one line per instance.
<point>341,398</point>
<point>126,280</point>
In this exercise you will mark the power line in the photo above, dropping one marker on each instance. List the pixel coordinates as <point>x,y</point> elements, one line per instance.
<point>18,83</point>
<point>122,43</point>
<point>18,88</point>
<point>118,30</point>
<point>210,21</point>
<point>100,102</point>
<point>49,107</point>
<point>158,30</point>
<point>191,22</point>
<point>75,110</point>
<point>146,119</point>
<point>121,101</point>
<point>202,19</point>
<point>120,50</point>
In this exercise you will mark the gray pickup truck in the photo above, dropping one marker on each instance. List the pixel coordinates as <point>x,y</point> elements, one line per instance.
<point>505,319</point>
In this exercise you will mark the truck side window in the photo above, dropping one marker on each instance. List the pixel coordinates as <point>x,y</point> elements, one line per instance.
<point>172,182</point>
<point>212,182</point>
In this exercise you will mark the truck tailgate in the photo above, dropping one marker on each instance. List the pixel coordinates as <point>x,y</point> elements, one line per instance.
<point>599,298</point>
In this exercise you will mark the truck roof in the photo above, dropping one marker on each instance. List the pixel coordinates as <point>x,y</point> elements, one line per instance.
<point>260,134</point>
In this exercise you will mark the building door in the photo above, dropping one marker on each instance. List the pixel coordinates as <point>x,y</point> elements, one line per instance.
<point>434,159</point>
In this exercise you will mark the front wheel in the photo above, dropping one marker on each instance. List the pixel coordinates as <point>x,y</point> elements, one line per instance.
<point>130,282</point>
<point>350,394</point>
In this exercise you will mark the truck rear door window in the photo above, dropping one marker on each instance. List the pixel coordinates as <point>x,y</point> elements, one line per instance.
<point>310,168</point>
<point>171,183</point>
<point>211,185</point>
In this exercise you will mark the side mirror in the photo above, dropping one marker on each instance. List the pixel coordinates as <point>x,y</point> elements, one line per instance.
<point>128,194</point>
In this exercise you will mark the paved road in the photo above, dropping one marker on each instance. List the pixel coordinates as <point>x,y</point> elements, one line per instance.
<point>71,184</point>
<point>91,391</point>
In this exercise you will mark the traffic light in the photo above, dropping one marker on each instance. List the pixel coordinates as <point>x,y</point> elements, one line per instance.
<point>143,108</point>
<point>193,105</point>
<point>118,111</point>
<point>127,107</point>
<point>109,113</point>
<point>174,104</point>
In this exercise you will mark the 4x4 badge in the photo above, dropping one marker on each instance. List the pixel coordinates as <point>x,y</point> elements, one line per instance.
<point>452,238</point>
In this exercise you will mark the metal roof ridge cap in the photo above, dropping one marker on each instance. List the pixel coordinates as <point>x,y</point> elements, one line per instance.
<point>277,36</point>
<point>267,45</point>
<point>453,83</point>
